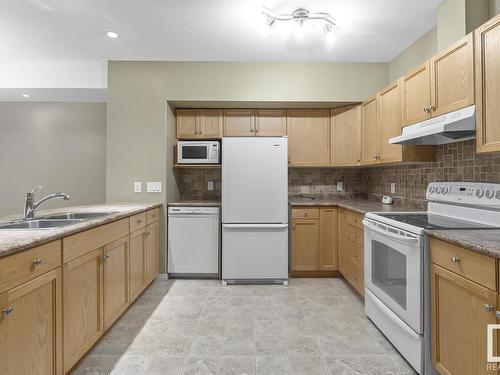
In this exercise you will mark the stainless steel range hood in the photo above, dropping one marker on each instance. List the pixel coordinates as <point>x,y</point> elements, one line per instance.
<point>451,127</point>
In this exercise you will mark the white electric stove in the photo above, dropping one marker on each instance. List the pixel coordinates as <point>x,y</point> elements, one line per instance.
<point>397,290</point>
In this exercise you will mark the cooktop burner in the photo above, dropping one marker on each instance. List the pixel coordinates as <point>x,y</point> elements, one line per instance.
<point>430,221</point>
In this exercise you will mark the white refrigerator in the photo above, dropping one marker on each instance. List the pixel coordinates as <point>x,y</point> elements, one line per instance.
<point>255,209</point>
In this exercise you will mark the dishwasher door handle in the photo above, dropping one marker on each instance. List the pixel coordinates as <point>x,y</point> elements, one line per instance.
<point>255,226</point>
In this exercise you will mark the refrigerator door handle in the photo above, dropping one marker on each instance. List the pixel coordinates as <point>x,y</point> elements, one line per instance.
<point>250,226</point>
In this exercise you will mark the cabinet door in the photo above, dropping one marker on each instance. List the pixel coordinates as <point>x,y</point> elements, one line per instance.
<point>346,138</point>
<point>152,251</point>
<point>187,123</point>
<point>82,305</point>
<point>30,327</point>
<point>210,123</point>
<point>389,112</point>
<point>459,321</point>
<point>452,77</point>
<point>115,280</point>
<point>370,131</point>
<point>305,245</point>
<point>416,95</point>
<point>137,264</point>
<point>308,137</point>
<point>270,122</point>
<point>328,239</point>
<point>239,123</point>
<point>487,65</point>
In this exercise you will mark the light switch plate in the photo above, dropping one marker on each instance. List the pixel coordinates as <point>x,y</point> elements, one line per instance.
<point>210,185</point>
<point>153,187</point>
<point>393,188</point>
<point>340,186</point>
<point>137,187</point>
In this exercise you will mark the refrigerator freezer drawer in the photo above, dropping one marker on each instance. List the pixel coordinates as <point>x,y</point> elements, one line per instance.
<point>254,252</point>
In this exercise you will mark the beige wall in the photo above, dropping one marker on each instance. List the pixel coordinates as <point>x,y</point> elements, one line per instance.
<point>60,146</point>
<point>417,53</point>
<point>140,125</point>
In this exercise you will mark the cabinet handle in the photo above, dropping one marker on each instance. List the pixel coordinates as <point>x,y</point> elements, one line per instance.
<point>289,161</point>
<point>293,227</point>
<point>427,109</point>
<point>147,233</point>
<point>497,314</point>
<point>455,259</point>
<point>9,310</point>
<point>358,160</point>
<point>37,262</point>
<point>104,258</point>
<point>139,221</point>
<point>488,308</point>
<point>306,213</point>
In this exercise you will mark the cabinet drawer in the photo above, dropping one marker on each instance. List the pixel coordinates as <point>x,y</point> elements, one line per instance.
<point>81,243</point>
<point>355,235</point>
<point>354,253</point>
<point>354,219</point>
<point>476,267</point>
<point>137,221</point>
<point>355,277</point>
<point>18,268</point>
<point>305,213</point>
<point>152,215</point>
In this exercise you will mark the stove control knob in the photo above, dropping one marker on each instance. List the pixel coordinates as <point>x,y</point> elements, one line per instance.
<point>444,190</point>
<point>490,194</point>
<point>480,193</point>
<point>438,190</point>
<point>431,189</point>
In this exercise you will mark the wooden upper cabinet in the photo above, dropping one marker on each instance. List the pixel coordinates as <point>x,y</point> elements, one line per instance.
<point>389,113</point>
<point>308,137</point>
<point>116,277</point>
<point>459,320</point>
<point>370,131</point>
<point>328,239</point>
<point>487,54</point>
<point>239,122</point>
<point>452,77</point>
<point>270,122</point>
<point>30,327</point>
<point>346,138</point>
<point>416,95</point>
<point>198,123</point>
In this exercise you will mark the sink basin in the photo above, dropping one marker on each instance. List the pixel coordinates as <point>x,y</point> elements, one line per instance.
<point>77,215</point>
<point>38,224</point>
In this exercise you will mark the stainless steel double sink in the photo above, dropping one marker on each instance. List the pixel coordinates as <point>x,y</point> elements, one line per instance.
<point>56,220</point>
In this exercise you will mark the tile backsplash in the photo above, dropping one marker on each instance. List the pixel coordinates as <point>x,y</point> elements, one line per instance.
<point>454,162</point>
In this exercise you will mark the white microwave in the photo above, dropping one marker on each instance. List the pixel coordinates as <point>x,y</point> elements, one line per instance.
<point>198,152</point>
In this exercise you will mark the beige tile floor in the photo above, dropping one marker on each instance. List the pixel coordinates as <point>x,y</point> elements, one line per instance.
<point>195,327</point>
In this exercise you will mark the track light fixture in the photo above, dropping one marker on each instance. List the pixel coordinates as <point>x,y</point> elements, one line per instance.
<point>300,15</point>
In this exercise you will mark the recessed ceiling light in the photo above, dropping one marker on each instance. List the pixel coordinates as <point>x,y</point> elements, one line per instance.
<point>26,96</point>
<point>112,34</point>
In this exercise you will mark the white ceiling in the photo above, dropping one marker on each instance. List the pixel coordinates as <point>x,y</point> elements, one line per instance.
<point>73,31</point>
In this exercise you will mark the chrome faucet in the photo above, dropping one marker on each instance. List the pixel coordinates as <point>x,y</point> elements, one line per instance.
<point>30,206</point>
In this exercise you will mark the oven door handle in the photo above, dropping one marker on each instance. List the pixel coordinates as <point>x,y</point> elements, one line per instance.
<point>403,239</point>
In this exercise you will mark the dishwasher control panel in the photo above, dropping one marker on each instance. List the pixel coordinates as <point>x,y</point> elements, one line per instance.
<point>193,210</point>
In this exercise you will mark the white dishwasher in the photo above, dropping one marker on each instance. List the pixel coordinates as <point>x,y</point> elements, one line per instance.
<point>193,241</point>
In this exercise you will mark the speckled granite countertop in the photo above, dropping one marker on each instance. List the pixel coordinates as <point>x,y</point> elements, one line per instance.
<point>485,241</point>
<point>14,240</point>
<point>361,205</point>
<point>194,203</point>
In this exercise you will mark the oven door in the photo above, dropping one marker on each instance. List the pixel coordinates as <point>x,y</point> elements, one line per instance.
<point>393,270</point>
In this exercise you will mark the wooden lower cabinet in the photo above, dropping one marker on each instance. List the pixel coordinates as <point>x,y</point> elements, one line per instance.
<point>152,251</point>
<point>30,327</point>
<point>137,264</point>
<point>351,248</point>
<point>82,305</point>
<point>460,315</point>
<point>115,279</point>
<point>314,241</point>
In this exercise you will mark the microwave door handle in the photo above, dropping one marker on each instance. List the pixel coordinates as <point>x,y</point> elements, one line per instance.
<point>403,239</point>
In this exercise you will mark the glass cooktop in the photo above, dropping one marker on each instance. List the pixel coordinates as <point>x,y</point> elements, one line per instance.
<point>437,222</point>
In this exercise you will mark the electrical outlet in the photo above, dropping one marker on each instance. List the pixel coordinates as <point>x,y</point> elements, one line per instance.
<point>153,187</point>
<point>340,186</point>
<point>393,188</point>
<point>210,185</point>
<point>137,187</point>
